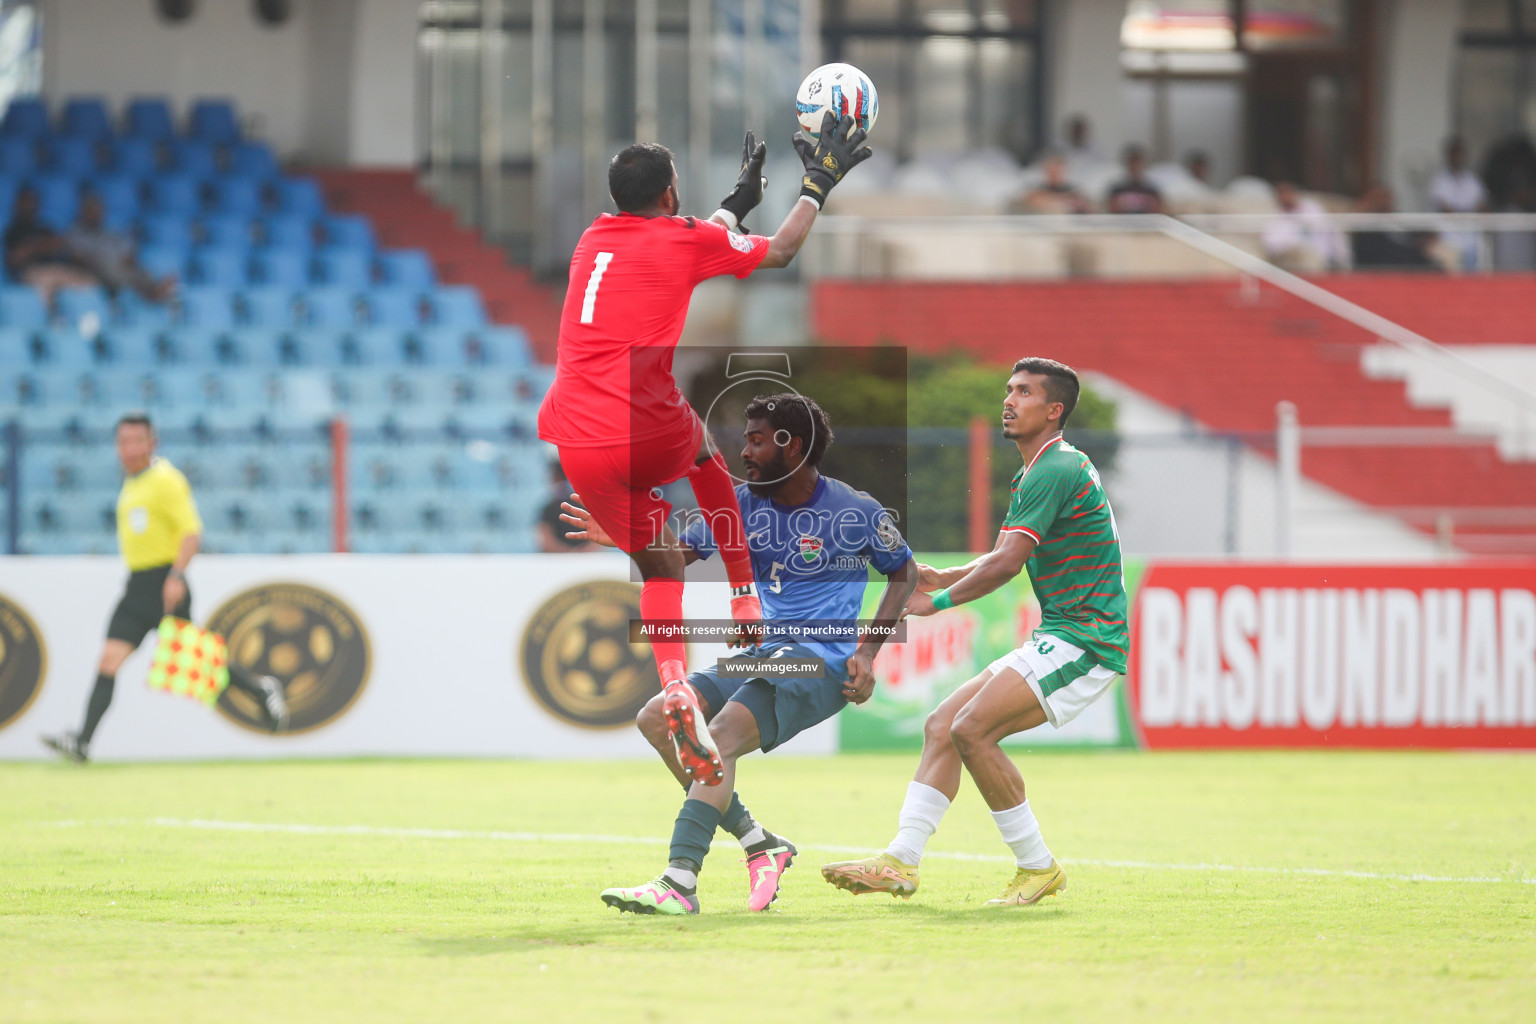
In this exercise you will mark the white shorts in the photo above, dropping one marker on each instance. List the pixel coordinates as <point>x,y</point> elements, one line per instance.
<point>1065,678</point>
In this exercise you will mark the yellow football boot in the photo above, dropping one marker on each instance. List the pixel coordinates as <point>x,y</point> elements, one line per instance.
<point>1030,887</point>
<point>881,873</point>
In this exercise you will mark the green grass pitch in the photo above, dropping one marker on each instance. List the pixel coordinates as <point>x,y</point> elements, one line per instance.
<point>1402,890</point>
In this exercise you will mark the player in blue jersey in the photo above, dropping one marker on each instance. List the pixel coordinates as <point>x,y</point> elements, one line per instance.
<point>812,540</point>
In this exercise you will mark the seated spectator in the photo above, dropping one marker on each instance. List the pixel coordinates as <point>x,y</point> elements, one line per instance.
<point>112,256</point>
<point>1516,250</point>
<point>1134,193</point>
<point>1389,250</point>
<point>38,256</point>
<point>1054,195</point>
<point>1198,164</point>
<point>1456,189</point>
<point>1301,238</point>
<point>1079,152</point>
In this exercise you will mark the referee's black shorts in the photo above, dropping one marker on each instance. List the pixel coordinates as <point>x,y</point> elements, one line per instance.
<point>143,606</point>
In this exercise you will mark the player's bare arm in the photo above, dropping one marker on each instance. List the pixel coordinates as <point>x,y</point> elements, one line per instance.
<point>176,580</point>
<point>861,675</point>
<point>991,571</point>
<point>826,160</point>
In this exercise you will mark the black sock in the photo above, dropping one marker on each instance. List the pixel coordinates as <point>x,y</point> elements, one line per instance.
<point>737,820</point>
<point>240,679</point>
<point>101,699</point>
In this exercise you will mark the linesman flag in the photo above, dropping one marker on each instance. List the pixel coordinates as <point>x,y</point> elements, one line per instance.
<point>189,661</point>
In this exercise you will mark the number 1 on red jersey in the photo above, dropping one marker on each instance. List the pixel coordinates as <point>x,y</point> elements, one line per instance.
<point>590,299</point>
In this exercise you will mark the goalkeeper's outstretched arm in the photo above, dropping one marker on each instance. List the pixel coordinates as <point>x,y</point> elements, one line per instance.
<point>838,150</point>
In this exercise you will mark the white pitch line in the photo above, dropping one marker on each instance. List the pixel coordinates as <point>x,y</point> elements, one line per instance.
<point>292,828</point>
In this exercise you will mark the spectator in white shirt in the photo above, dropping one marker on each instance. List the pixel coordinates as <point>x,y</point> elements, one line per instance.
<point>1301,238</point>
<point>1456,189</point>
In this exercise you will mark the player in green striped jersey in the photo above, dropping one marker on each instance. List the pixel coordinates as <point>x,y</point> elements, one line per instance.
<point>1059,529</point>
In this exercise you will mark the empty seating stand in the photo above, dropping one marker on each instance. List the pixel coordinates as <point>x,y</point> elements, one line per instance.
<point>286,315</point>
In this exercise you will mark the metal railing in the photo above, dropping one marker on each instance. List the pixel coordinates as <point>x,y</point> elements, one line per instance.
<point>846,246</point>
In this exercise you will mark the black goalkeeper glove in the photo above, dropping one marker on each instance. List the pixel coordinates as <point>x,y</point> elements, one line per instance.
<point>749,186</point>
<point>839,150</point>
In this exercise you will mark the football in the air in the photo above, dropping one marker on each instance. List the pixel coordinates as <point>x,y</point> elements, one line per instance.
<point>841,88</point>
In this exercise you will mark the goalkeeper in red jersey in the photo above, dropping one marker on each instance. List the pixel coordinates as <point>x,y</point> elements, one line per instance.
<point>622,426</point>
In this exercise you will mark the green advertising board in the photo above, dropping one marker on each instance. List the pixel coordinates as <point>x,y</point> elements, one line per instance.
<point>943,651</point>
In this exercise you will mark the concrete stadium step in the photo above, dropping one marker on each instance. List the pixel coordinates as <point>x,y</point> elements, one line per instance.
<point>1224,358</point>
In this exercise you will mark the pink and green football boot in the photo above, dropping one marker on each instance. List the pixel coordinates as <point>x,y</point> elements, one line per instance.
<point>660,896</point>
<point>764,870</point>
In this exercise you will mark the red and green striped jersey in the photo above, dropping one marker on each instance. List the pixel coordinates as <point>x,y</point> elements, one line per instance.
<point>1075,569</point>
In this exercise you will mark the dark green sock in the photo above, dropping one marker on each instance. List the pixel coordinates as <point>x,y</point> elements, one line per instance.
<point>737,820</point>
<point>692,833</point>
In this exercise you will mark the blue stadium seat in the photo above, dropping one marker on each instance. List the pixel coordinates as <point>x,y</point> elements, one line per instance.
<point>163,260</point>
<point>329,307</point>
<point>377,346</point>
<point>482,421</point>
<point>299,196</point>
<point>149,117</point>
<point>22,307</point>
<point>456,306</point>
<point>87,116</point>
<point>438,347</point>
<point>285,268</point>
<point>444,388</point>
<point>266,307</point>
<point>58,200</point>
<point>229,231</point>
<point>243,196</point>
<point>26,116</point>
<point>349,229</point>
<point>418,423</point>
<point>206,308</point>
<point>223,267</point>
<point>65,349</point>
<point>119,197</point>
<point>135,158</point>
<point>166,229</point>
<point>140,388</point>
<point>74,155</point>
<point>253,160</point>
<point>193,158</point>
<point>495,345</point>
<point>75,305</point>
<point>195,347</point>
<point>15,352</point>
<point>255,346</point>
<point>133,310</point>
<point>213,120</point>
<point>132,347</point>
<point>18,155</point>
<point>324,347</point>
<point>388,307</point>
<point>289,231</point>
<point>343,268</point>
<point>374,388</point>
<point>176,193</point>
<point>407,268</point>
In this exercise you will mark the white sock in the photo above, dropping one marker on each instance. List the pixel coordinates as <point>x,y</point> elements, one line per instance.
<point>752,837</point>
<point>681,877</point>
<point>1022,834</point>
<point>921,812</point>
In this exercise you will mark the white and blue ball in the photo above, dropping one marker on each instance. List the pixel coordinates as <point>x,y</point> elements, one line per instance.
<point>840,88</point>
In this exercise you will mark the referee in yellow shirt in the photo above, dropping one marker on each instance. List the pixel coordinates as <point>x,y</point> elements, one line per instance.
<point>158,532</point>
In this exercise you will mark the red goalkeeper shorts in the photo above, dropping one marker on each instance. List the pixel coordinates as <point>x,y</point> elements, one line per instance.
<point>620,485</point>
